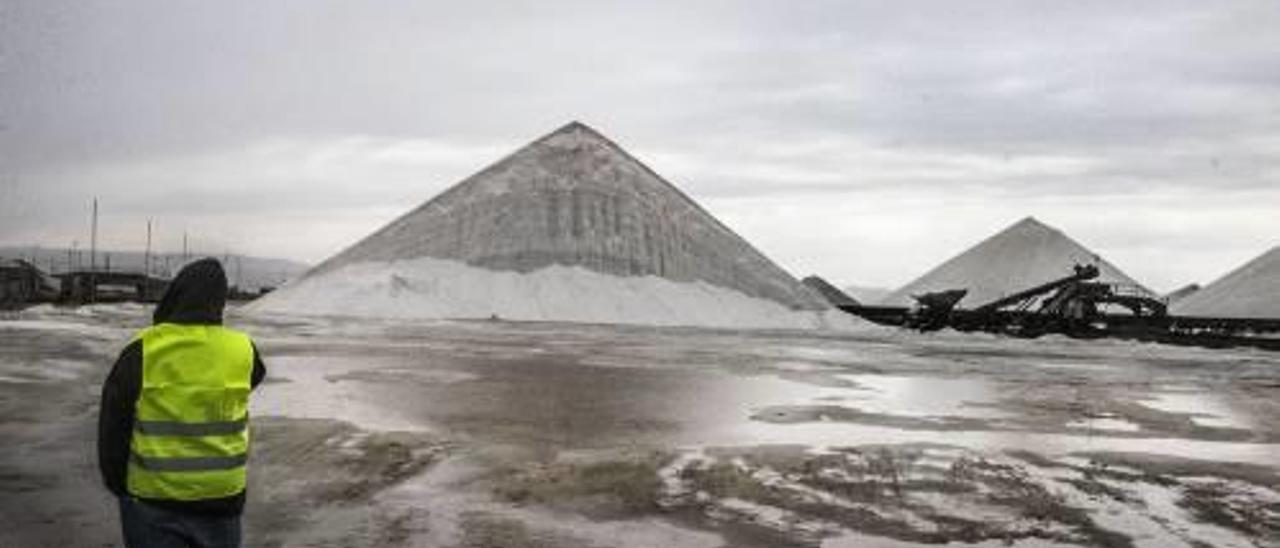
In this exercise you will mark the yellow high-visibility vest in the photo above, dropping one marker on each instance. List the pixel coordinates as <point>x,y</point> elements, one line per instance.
<point>191,423</point>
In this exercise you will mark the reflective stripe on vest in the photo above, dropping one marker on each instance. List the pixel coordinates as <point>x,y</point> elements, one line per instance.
<point>189,464</point>
<point>172,428</point>
<point>191,437</point>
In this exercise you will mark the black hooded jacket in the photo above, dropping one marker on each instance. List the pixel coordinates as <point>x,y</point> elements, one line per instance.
<point>196,296</point>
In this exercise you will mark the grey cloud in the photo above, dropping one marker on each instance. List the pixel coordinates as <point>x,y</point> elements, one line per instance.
<point>163,102</point>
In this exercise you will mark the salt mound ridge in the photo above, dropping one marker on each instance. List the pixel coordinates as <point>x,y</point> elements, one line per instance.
<point>439,288</point>
<point>1022,256</point>
<point>1251,291</point>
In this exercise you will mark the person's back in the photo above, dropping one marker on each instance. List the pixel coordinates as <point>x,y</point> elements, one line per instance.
<point>173,438</point>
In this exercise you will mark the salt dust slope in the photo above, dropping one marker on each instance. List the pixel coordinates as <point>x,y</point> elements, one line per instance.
<point>574,198</point>
<point>1251,291</point>
<point>1026,254</point>
<point>439,288</point>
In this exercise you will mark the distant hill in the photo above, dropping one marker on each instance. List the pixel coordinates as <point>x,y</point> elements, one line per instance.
<point>1251,291</point>
<point>250,273</point>
<point>829,292</point>
<point>1024,255</point>
<point>867,295</point>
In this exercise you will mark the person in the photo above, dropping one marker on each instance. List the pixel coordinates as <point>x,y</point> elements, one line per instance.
<point>173,437</point>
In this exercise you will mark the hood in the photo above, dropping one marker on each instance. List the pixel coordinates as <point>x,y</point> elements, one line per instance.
<point>196,295</point>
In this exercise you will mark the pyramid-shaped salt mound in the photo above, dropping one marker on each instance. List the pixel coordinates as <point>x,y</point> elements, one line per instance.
<point>1022,256</point>
<point>1251,291</point>
<point>568,228</point>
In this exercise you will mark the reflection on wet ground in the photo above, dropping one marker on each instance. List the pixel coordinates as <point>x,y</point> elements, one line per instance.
<point>502,434</point>
<point>1204,408</point>
<point>924,396</point>
<point>574,387</point>
<point>987,441</point>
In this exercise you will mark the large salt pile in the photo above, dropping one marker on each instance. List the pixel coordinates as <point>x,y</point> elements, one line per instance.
<point>568,228</point>
<point>1251,291</point>
<point>1022,256</point>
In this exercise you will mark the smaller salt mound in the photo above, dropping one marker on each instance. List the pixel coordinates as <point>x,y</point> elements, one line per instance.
<point>1251,291</point>
<point>437,288</point>
<point>1181,293</point>
<point>1024,255</point>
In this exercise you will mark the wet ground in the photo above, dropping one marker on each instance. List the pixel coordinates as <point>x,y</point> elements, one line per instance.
<point>500,434</point>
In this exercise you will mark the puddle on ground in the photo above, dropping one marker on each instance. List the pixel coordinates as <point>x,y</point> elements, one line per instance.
<point>313,393</point>
<point>838,434</point>
<point>1206,409</point>
<point>923,396</point>
<point>543,400</point>
<point>1105,424</point>
<point>1072,366</point>
<point>853,539</point>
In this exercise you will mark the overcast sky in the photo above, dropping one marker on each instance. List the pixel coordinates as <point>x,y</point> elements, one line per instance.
<point>865,141</point>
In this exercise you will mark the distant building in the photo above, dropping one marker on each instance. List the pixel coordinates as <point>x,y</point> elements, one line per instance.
<point>22,283</point>
<point>84,286</point>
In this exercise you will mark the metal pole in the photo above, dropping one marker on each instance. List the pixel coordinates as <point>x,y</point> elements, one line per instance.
<point>185,256</point>
<point>93,255</point>
<point>146,257</point>
<point>93,239</point>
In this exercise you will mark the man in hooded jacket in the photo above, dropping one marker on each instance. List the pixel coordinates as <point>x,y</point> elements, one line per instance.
<point>173,434</point>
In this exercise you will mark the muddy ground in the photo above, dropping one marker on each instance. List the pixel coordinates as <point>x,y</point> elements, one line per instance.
<point>494,434</point>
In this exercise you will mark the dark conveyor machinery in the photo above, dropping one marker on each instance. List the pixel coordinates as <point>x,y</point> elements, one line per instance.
<point>1076,306</point>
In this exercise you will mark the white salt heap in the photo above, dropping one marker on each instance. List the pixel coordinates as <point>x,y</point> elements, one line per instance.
<point>568,228</point>
<point>1025,255</point>
<point>1251,291</point>
<point>437,288</point>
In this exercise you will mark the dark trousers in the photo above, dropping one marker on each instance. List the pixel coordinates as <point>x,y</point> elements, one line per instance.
<point>149,526</point>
